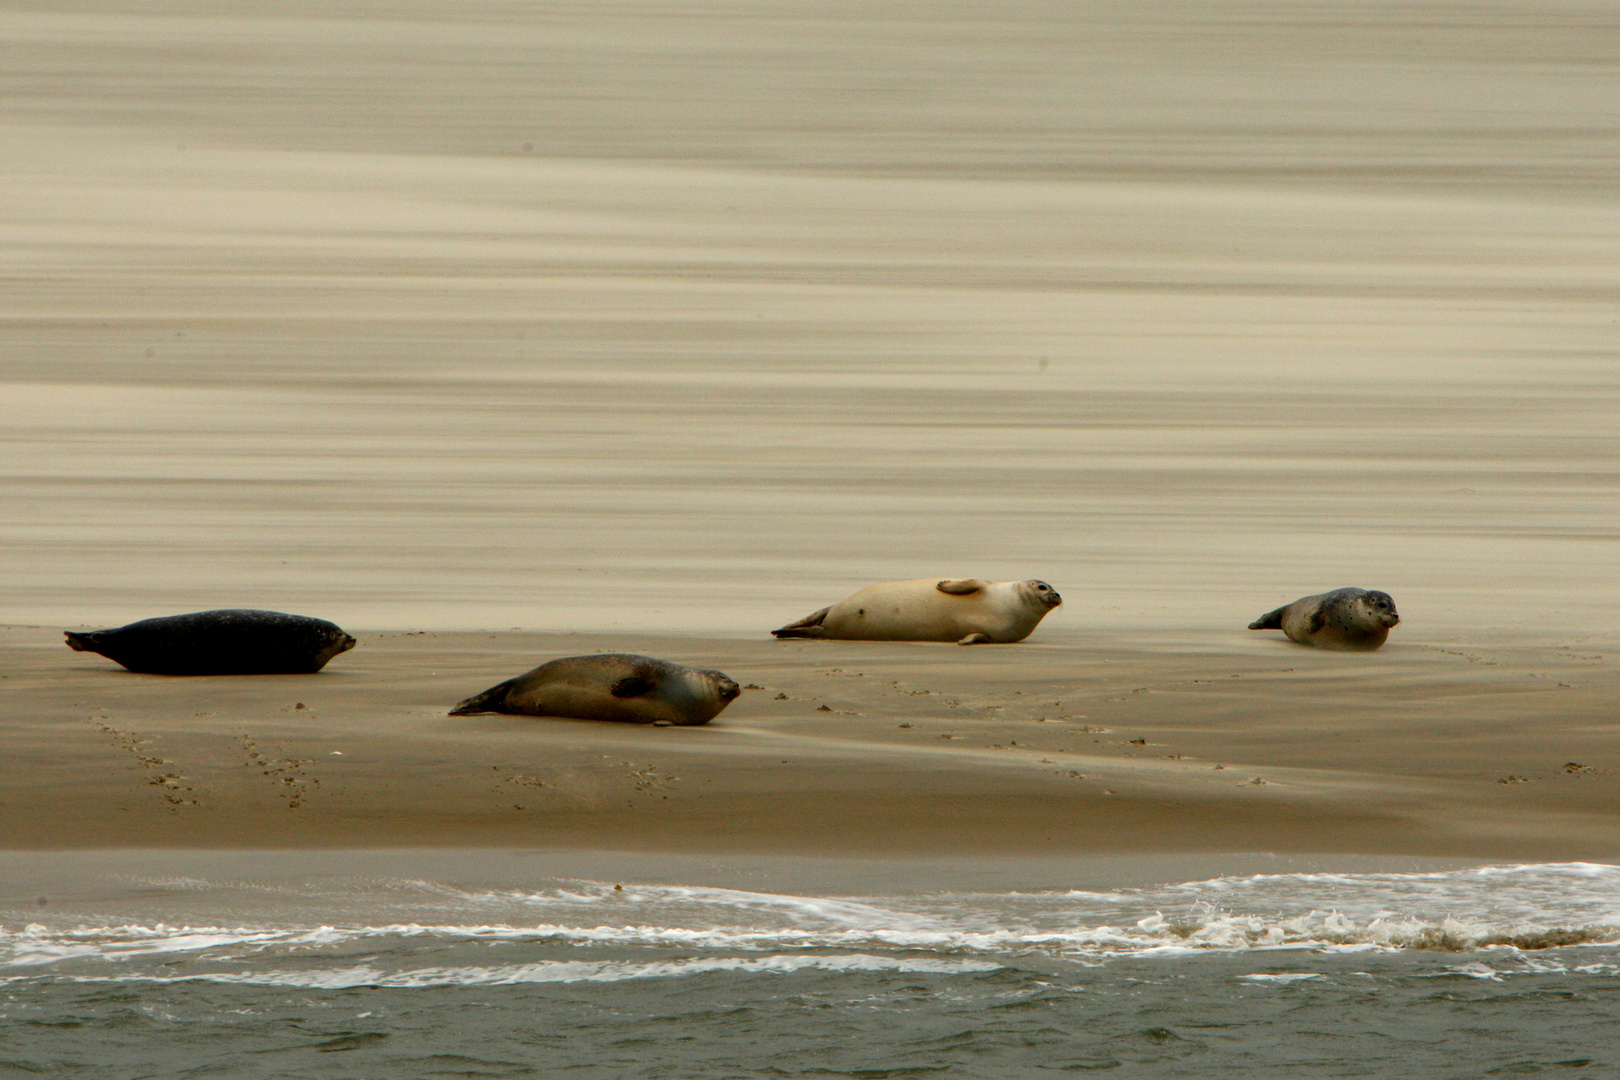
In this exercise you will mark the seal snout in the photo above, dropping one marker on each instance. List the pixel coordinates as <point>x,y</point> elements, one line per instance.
<point>1045,594</point>
<point>727,689</point>
<point>348,643</point>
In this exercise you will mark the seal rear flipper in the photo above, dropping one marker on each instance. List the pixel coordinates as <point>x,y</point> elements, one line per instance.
<point>491,700</point>
<point>961,586</point>
<point>82,642</point>
<point>1271,620</point>
<point>809,626</point>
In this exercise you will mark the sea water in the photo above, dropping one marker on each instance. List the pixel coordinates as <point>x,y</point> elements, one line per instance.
<point>1486,971</point>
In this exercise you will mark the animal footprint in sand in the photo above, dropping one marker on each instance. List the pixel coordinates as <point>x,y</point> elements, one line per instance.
<point>516,784</point>
<point>172,790</point>
<point>287,774</point>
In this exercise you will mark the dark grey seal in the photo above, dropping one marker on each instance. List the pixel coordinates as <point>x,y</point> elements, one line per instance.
<point>1356,619</point>
<point>610,686</point>
<point>229,642</point>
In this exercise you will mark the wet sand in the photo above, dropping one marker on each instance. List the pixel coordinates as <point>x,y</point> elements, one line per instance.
<point>1077,745</point>
<point>663,326</point>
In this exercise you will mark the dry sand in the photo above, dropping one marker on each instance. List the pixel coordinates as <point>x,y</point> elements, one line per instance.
<point>686,319</point>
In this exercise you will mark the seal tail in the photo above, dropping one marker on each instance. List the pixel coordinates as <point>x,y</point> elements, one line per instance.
<point>1271,620</point>
<point>82,642</point>
<point>809,626</point>
<point>490,700</point>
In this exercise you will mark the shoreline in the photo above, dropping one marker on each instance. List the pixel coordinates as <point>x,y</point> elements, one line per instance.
<point>56,881</point>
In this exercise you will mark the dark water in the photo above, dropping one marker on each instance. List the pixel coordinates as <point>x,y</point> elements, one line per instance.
<point>1490,972</point>
<point>1368,1016</point>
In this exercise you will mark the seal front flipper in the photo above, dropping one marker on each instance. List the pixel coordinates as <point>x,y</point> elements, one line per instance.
<point>977,639</point>
<point>809,626</point>
<point>633,686</point>
<point>1271,620</point>
<point>491,700</point>
<point>961,586</point>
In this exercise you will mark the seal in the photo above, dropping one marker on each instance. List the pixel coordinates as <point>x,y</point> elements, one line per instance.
<point>610,686</point>
<point>234,641</point>
<point>968,611</point>
<point>1355,619</point>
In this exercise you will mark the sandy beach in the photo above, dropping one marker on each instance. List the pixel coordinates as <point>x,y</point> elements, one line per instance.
<point>1080,744</point>
<point>542,332</point>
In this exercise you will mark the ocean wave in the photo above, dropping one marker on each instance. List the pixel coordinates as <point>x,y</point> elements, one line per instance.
<point>1528,908</point>
<point>36,946</point>
<point>554,971</point>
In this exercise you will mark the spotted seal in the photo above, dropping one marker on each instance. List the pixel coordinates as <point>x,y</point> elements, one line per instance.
<point>233,641</point>
<point>610,686</point>
<point>1357,619</point>
<point>968,611</point>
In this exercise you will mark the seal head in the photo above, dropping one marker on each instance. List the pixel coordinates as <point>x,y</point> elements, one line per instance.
<point>232,641</point>
<point>1043,594</point>
<point>610,686</point>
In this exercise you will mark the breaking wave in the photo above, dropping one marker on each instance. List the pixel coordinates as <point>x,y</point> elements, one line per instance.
<point>1528,908</point>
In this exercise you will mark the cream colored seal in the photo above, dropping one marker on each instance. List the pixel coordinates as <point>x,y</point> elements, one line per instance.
<point>610,686</point>
<point>1356,619</point>
<point>968,611</point>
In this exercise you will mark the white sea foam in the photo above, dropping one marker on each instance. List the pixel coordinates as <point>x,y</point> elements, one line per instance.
<point>560,971</point>
<point>1523,908</point>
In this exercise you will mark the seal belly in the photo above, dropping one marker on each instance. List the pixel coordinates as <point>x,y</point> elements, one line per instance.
<point>581,702</point>
<point>1296,619</point>
<point>858,619</point>
<point>1348,639</point>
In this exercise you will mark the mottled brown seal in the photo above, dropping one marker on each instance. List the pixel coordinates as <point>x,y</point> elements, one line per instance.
<point>1356,619</point>
<point>610,686</point>
<point>968,611</point>
<point>234,641</point>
